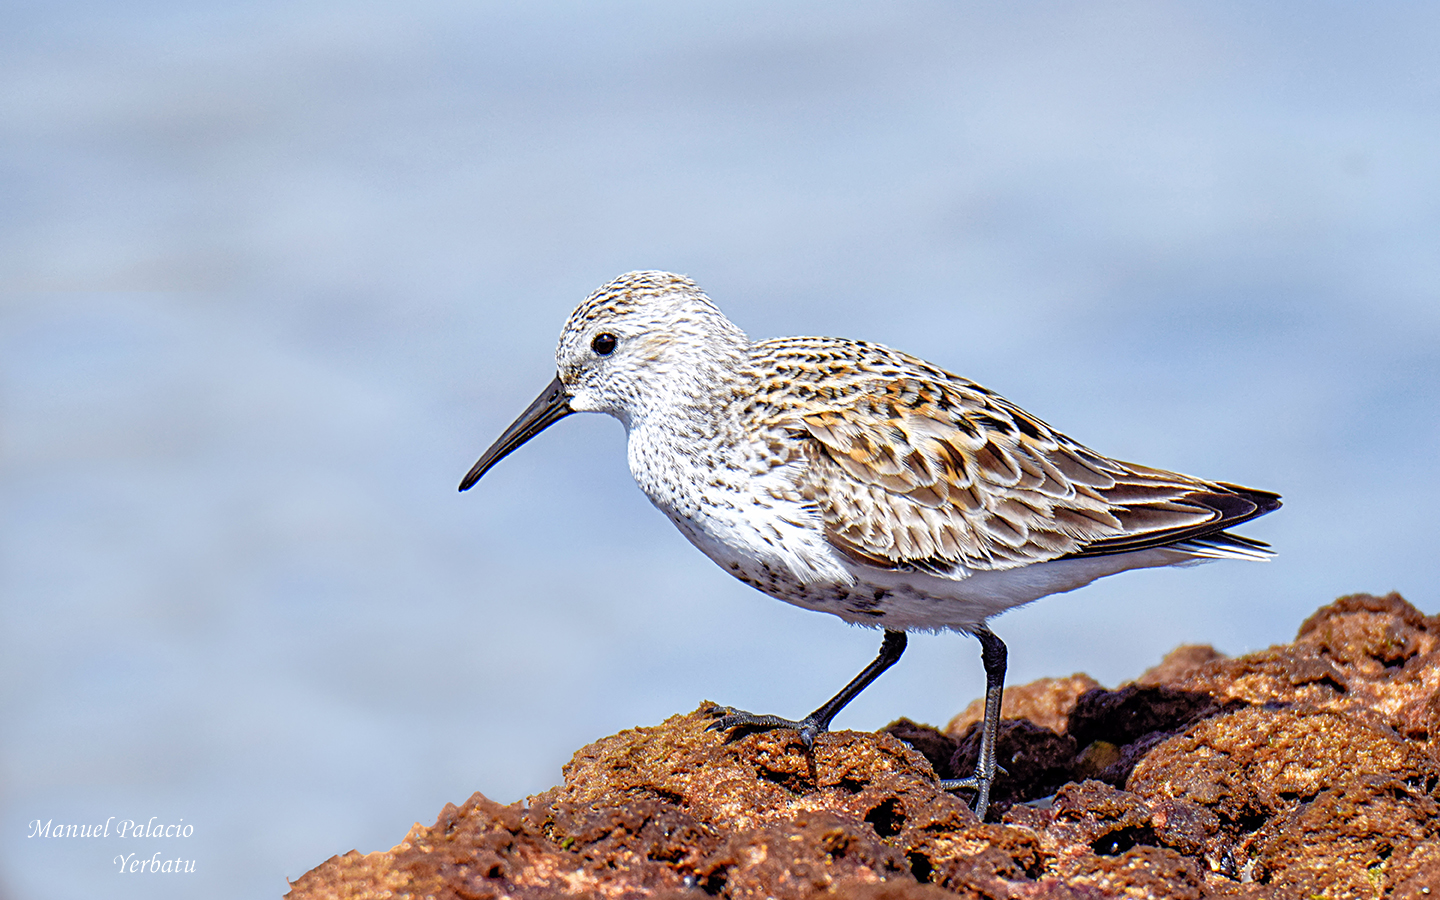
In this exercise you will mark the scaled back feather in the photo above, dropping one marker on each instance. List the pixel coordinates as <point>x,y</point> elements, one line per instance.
<point>912,467</point>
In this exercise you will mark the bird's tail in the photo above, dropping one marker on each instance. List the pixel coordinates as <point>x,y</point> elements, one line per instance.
<point>1224,545</point>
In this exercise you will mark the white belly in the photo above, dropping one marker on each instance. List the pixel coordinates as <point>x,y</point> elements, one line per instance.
<point>758,528</point>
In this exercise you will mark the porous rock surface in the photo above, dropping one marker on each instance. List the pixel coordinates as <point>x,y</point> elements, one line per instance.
<point>1307,770</point>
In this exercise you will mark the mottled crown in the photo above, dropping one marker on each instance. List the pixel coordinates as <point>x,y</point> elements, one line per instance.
<point>661,305</point>
<point>633,291</point>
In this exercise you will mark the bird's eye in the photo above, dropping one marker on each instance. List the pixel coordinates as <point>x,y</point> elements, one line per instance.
<point>604,343</point>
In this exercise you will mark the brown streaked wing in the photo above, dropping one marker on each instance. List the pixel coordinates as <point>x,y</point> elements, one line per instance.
<point>915,473</point>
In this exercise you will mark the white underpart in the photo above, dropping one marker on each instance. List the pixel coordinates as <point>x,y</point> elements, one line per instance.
<point>781,537</point>
<point>920,601</point>
<point>740,523</point>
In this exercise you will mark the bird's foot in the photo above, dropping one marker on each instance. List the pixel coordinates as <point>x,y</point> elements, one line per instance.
<point>740,723</point>
<point>980,782</point>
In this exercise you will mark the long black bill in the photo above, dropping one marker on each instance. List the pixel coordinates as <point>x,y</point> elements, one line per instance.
<point>551,406</point>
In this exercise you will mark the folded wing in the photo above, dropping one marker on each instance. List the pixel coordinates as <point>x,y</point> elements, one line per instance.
<point>929,474</point>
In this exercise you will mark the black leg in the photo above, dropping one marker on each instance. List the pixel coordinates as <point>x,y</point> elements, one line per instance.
<point>993,654</point>
<point>818,722</point>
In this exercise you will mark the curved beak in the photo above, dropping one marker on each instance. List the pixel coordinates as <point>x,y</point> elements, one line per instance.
<point>551,406</point>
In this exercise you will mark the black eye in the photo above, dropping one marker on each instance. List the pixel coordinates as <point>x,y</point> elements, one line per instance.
<point>604,343</point>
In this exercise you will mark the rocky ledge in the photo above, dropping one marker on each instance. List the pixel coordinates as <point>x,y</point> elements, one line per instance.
<point>1307,770</point>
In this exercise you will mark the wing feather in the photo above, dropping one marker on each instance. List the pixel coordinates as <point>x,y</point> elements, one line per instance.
<point>924,470</point>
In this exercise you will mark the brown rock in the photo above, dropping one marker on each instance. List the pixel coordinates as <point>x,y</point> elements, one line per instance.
<point>485,850</point>
<point>757,780</point>
<point>1305,770</point>
<point>1130,713</point>
<point>805,855</point>
<point>1036,761</point>
<point>1349,838</point>
<point>1141,872</point>
<point>354,877</point>
<point>1092,818</point>
<point>1179,663</point>
<point>935,745</point>
<point>1373,657</point>
<point>1046,702</point>
<point>1306,801</point>
<point>1098,757</point>
<point>1418,877</point>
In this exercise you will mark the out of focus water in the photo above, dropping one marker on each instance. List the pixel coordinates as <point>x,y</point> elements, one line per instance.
<point>274,275</point>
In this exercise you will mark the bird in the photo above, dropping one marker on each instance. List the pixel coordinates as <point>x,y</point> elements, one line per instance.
<point>848,478</point>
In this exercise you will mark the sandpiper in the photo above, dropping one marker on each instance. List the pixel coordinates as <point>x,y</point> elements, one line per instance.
<point>849,478</point>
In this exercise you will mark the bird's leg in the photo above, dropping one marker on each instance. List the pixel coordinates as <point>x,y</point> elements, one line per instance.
<point>993,654</point>
<point>818,722</point>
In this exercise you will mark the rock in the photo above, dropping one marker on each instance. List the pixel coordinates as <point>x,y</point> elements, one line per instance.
<point>1036,761</point>
<point>1306,770</point>
<point>1179,663</point>
<point>1046,702</point>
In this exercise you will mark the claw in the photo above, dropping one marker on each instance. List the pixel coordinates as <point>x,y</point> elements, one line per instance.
<point>808,732</point>
<point>721,714</point>
<point>748,722</point>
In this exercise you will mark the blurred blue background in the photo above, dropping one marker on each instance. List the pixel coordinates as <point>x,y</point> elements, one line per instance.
<point>274,275</point>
